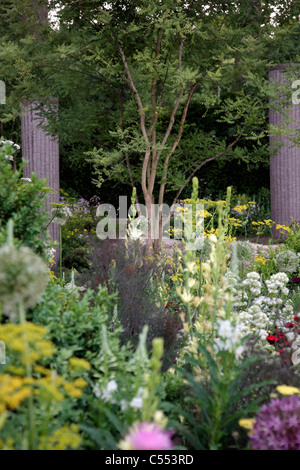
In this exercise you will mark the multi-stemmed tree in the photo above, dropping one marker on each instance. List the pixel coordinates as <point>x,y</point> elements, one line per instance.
<point>145,64</point>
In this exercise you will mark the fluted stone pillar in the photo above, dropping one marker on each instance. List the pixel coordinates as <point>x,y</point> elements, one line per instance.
<point>285,165</point>
<point>42,153</point>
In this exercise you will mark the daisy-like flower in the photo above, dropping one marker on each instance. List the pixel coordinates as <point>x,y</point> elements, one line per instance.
<point>147,436</point>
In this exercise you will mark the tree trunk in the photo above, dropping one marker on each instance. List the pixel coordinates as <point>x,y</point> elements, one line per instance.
<point>285,165</point>
<point>40,149</point>
<point>42,153</point>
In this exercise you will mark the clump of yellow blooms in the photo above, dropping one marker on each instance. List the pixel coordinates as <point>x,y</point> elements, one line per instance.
<point>260,259</point>
<point>62,439</point>
<point>287,390</point>
<point>283,227</point>
<point>13,390</point>
<point>28,344</point>
<point>34,348</point>
<point>80,364</point>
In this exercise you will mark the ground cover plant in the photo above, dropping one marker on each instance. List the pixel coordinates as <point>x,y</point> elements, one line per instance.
<point>191,349</point>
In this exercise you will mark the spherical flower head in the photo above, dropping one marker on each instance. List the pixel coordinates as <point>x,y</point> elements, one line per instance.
<point>277,426</point>
<point>203,247</point>
<point>287,261</point>
<point>147,436</point>
<point>62,214</point>
<point>245,253</point>
<point>23,278</point>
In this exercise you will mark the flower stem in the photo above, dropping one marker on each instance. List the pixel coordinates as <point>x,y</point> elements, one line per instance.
<point>31,423</point>
<point>60,252</point>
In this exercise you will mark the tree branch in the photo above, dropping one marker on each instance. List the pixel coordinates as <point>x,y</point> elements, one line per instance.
<point>204,163</point>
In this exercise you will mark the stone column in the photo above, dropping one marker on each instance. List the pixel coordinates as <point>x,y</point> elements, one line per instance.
<point>285,165</point>
<point>41,150</point>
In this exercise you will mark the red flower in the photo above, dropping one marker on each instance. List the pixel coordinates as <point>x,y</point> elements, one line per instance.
<point>289,325</point>
<point>280,351</point>
<point>272,339</point>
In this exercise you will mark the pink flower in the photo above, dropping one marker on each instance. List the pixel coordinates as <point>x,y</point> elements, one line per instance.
<point>147,436</point>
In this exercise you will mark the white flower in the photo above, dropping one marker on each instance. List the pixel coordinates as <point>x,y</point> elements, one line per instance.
<point>213,238</point>
<point>27,180</point>
<point>50,252</point>
<point>97,390</point>
<point>138,227</point>
<point>137,403</point>
<point>106,393</point>
<point>229,338</point>
<point>225,329</point>
<point>62,214</point>
<point>135,233</point>
<point>23,278</point>
<point>112,386</point>
<point>290,335</point>
<point>124,405</point>
<point>239,352</point>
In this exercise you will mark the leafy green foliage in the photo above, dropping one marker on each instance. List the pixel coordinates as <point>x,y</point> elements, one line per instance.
<point>293,237</point>
<point>225,51</point>
<point>24,203</point>
<point>214,403</point>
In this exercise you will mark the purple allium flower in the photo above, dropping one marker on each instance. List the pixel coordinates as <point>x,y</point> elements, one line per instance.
<point>277,426</point>
<point>147,436</point>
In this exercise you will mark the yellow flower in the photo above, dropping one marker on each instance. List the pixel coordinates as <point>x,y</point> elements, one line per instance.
<point>284,227</point>
<point>81,383</point>
<point>191,267</point>
<point>12,392</point>
<point>268,222</point>
<point>197,301</point>
<point>187,297</point>
<point>191,283</point>
<point>42,370</point>
<point>240,209</point>
<point>14,401</point>
<point>77,363</point>
<point>260,259</point>
<point>247,423</point>
<point>62,439</point>
<point>207,214</point>
<point>72,390</point>
<point>287,390</point>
